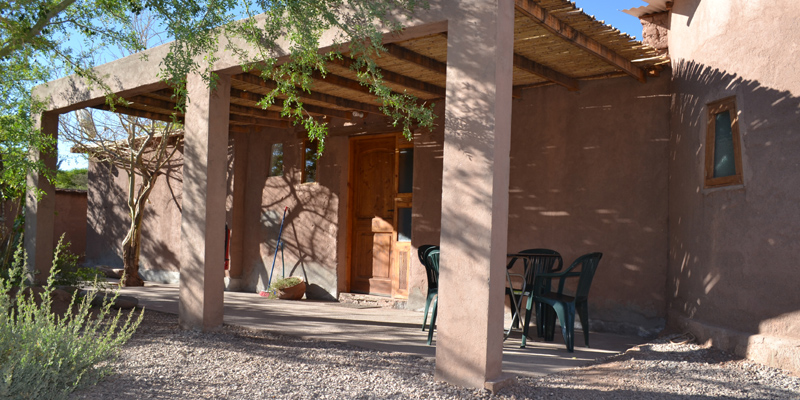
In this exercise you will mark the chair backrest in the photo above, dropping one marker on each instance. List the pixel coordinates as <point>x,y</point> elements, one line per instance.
<point>588,264</point>
<point>543,264</point>
<point>429,257</point>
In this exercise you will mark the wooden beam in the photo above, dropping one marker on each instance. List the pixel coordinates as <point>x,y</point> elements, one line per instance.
<point>402,80</point>
<point>545,72</point>
<point>426,62</point>
<point>245,120</point>
<point>257,112</point>
<point>316,96</point>
<point>311,109</point>
<point>149,101</point>
<point>139,113</point>
<point>578,39</point>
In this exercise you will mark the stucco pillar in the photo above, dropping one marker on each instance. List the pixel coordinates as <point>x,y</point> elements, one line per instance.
<point>203,214</point>
<point>240,163</point>
<point>469,340</point>
<point>40,214</point>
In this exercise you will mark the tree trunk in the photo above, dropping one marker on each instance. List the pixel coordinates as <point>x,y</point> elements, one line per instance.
<point>130,251</point>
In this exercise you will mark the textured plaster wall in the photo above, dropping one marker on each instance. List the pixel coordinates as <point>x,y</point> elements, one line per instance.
<point>70,220</point>
<point>734,251</point>
<point>310,230</point>
<point>108,221</point>
<point>589,173</point>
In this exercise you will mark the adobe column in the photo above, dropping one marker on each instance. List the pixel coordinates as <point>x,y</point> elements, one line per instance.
<point>469,339</point>
<point>40,214</point>
<point>203,214</point>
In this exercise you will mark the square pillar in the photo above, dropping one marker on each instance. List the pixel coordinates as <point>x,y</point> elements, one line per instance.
<point>240,166</point>
<point>203,215</point>
<point>469,336</point>
<point>40,214</point>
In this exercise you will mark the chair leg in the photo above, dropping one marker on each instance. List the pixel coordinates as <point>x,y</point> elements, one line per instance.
<point>433,320</point>
<point>566,317</point>
<point>527,323</point>
<point>539,319</point>
<point>425,315</point>
<point>514,311</point>
<point>549,322</point>
<point>583,313</point>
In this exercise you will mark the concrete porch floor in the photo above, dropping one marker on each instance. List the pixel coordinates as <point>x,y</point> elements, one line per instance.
<point>382,329</point>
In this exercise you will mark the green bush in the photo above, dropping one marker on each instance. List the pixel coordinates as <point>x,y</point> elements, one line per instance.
<point>70,274</point>
<point>47,356</point>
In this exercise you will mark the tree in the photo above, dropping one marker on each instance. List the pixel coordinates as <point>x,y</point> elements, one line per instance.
<point>32,29</point>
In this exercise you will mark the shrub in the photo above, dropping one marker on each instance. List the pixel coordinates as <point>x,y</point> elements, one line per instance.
<point>70,274</point>
<point>47,356</point>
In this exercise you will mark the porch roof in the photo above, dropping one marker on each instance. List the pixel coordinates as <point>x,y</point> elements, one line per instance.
<point>555,43</point>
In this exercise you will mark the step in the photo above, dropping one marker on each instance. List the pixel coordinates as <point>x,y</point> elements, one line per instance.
<point>369,301</point>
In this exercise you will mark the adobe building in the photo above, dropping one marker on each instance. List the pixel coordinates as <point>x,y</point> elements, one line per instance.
<point>675,159</point>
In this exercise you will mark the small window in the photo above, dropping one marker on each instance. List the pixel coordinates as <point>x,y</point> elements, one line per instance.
<point>310,157</point>
<point>405,181</point>
<point>723,146</point>
<point>276,160</point>
<point>404,224</point>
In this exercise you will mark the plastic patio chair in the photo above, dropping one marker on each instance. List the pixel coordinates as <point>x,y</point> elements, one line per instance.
<point>565,306</point>
<point>433,278</point>
<point>432,262</point>
<point>534,266</point>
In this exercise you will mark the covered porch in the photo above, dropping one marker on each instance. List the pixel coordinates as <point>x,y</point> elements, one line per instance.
<point>512,82</point>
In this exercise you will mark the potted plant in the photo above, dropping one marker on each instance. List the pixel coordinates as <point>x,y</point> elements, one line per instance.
<point>289,288</point>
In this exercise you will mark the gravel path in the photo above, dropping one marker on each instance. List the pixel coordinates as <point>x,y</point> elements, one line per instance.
<point>163,362</point>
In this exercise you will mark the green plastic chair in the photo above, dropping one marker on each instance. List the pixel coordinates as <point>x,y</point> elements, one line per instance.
<point>433,277</point>
<point>432,263</point>
<point>565,306</point>
<point>534,266</point>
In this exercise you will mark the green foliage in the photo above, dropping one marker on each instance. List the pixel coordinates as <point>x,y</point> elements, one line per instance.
<point>47,356</point>
<point>285,283</point>
<point>77,179</point>
<point>71,274</point>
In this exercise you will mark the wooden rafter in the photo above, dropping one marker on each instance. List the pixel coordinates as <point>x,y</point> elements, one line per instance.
<point>545,72</point>
<point>426,62</point>
<point>257,112</point>
<point>246,120</point>
<point>578,39</point>
<point>157,103</point>
<point>138,113</point>
<point>402,80</point>
<point>311,109</point>
<point>316,96</point>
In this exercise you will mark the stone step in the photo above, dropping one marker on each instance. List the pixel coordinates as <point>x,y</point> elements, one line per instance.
<point>368,300</point>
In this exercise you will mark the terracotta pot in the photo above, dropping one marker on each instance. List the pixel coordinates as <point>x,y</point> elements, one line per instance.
<point>295,292</point>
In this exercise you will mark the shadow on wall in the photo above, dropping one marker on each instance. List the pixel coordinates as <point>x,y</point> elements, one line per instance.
<point>109,220</point>
<point>309,231</point>
<point>589,172</point>
<point>733,251</point>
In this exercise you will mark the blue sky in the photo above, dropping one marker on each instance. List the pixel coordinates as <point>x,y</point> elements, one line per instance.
<point>607,10</point>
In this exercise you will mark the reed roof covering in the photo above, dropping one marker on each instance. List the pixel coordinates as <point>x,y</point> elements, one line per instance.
<point>555,43</point>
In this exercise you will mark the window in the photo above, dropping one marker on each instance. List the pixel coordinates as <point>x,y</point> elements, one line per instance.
<point>276,160</point>
<point>310,157</point>
<point>723,146</point>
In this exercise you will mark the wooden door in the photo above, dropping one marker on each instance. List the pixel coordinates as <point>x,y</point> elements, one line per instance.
<point>372,215</point>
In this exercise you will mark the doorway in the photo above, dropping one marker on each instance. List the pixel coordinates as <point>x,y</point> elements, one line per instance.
<point>381,179</point>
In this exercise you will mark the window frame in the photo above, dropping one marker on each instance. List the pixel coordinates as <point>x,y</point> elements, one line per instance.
<point>306,144</point>
<point>714,108</point>
<point>271,156</point>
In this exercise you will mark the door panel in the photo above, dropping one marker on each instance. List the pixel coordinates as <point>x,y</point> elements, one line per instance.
<point>373,215</point>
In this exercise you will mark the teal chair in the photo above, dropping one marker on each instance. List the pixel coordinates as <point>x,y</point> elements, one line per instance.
<point>565,306</point>
<point>540,261</point>
<point>433,277</point>
<point>432,264</point>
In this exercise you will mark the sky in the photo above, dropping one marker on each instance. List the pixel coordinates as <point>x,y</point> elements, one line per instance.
<point>604,10</point>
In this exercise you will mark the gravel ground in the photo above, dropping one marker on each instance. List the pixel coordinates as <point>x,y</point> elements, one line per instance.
<point>163,362</point>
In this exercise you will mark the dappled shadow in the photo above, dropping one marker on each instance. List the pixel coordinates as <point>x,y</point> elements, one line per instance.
<point>733,250</point>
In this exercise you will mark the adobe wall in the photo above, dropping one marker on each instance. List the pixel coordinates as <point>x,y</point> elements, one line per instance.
<point>589,173</point>
<point>71,206</point>
<point>108,221</point>
<point>733,251</point>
